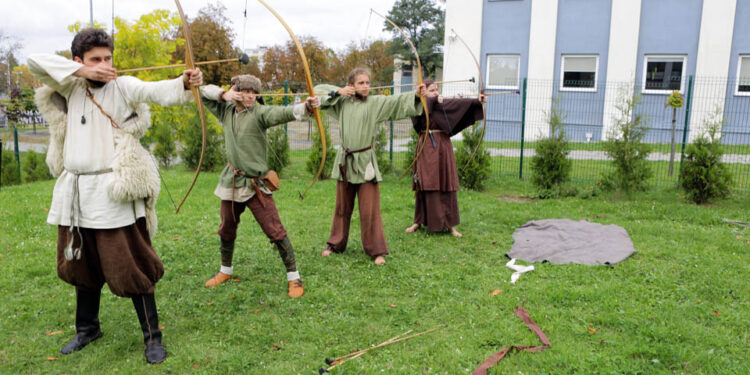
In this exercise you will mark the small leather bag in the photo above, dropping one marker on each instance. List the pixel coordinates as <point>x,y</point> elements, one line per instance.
<point>271,180</point>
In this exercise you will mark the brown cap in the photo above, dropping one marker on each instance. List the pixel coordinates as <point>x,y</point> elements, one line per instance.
<point>246,82</point>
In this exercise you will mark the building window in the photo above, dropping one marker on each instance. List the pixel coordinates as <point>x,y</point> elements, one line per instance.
<point>579,72</point>
<point>743,76</point>
<point>406,70</point>
<point>503,71</point>
<point>663,74</point>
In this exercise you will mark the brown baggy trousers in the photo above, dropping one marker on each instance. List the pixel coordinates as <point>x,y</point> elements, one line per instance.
<point>121,257</point>
<point>265,213</point>
<point>371,223</point>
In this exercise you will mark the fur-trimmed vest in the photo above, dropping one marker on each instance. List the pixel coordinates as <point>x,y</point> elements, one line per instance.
<point>135,170</point>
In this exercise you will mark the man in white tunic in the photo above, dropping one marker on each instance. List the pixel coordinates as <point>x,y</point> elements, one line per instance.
<point>103,201</point>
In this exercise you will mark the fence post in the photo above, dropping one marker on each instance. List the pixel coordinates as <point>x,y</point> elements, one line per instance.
<point>390,152</point>
<point>391,148</point>
<point>1,160</point>
<point>286,91</point>
<point>523,128</point>
<point>686,128</point>
<point>18,156</point>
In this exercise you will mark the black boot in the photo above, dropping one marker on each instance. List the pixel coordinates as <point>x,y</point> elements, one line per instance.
<point>87,321</point>
<point>145,307</point>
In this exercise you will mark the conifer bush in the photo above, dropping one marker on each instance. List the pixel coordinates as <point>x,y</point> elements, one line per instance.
<point>191,135</point>
<point>165,149</point>
<point>627,150</point>
<point>411,149</point>
<point>478,171</point>
<point>316,152</point>
<point>10,172</point>
<point>703,175</point>
<point>381,151</point>
<point>278,149</point>
<point>34,167</point>
<point>551,166</point>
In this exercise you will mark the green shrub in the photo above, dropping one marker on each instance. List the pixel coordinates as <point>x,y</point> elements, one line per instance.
<point>10,169</point>
<point>411,149</point>
<point>703,175</point>
<point>474,175</point>
<point>191,136</point>
<point>278,149</point>
<point>165,149</point>
<point>626,149</point>
<point>34,167</point>
<point>316,152</point>
<point>551,166</point>
<point>381,152</point>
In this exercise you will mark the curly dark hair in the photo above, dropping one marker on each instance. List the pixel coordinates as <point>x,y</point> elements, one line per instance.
<point>89,38</point>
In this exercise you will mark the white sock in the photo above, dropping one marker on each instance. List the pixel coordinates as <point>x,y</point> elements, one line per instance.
<point>227,270</point>
<point>291,276</point>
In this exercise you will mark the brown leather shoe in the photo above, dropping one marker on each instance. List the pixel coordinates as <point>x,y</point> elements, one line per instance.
<point>296,288</point>
<point>217,279</point>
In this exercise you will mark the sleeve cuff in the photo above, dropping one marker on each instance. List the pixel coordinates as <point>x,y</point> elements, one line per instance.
<point>212,92</point>
<point>300,111</point>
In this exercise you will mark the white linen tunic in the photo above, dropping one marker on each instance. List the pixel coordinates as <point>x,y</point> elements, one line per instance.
<point>89,147</point>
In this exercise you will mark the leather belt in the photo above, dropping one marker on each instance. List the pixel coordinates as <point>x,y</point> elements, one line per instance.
<point>347,154</point>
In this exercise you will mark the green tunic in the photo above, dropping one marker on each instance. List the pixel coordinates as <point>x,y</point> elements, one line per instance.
<point>358,128</point>
<point>244,136</point>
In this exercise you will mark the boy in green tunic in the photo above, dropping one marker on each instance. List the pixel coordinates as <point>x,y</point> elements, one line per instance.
<point>241,183</point>
<point>356,166</point>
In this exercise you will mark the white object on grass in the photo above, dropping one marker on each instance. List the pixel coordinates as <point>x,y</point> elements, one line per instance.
<point>518,268</point>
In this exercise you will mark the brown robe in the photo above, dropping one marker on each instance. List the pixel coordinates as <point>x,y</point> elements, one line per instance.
<point>436,175</point>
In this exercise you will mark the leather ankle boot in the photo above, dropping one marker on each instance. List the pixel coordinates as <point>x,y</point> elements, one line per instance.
<point>145,308</point>
<point>87,321</point>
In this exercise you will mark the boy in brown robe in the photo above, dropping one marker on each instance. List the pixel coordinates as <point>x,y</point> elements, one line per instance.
<point>435,174</point>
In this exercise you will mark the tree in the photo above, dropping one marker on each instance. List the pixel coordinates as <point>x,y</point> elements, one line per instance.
<point>148,42</point>
<point>24,79</point>
<point>282,63</point>
<point>373,55</point>
<point>424,23</point>
<point>8,45</point>
<point>213,39</point>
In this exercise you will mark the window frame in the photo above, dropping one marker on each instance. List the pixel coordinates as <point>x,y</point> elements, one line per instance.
<point>646,59</point>
<point>737,91</point>
<point>518,72</point>
<point>579,89</point>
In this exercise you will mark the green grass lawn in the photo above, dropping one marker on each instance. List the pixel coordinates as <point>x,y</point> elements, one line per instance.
<point>678,305</point>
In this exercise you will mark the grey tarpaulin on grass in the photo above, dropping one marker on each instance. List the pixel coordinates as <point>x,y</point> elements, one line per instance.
<point>563,241</point>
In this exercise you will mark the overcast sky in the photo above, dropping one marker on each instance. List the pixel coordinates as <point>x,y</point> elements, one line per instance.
<point>41,25</point>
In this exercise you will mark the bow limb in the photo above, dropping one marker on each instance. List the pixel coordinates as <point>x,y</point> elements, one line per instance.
<point>311,92</point>
<point>481,93</point>
<point>190,64</point>
<point>422,99</point>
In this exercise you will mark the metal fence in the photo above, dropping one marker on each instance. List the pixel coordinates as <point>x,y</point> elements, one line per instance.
<point>515,121</point>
